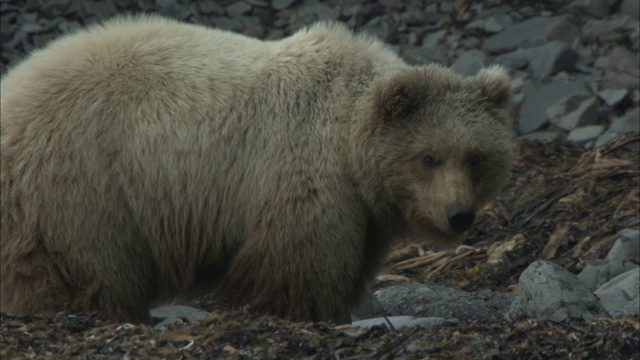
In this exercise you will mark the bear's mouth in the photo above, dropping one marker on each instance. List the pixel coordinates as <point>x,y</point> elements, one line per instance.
<point>437,239</point>
<point>426,228</point>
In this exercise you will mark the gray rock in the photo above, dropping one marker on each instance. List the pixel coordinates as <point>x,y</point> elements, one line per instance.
<point>420,55</point>
<point>574,110</point>
<point>598,8</point>
<point>104,8</point>
<point>627,247</point>
<point>491,24</point>
<point>31,28</point>
<point>542,135</point>
<point>534,31</point>
<point>551,58</point>
<point>634,38</point>
<point>259,3</point>
<point>432,40</point>
<point>584,134</point>
<point>282,4</point>
<point>547,290</point>
<point>54,7</point>
<point>434,300</point>
<point>630,8</point>
<point>517,83</point>
<point>393,4</point>
<point>620,296</point>
<point>170,312</point>
<point>607,30</point>
<point>403,321</point>
<point>515,60</point>
<point>238,8</point>
<point>621,69</point>
<point>598,272</point>
<point>538,99</point>
<point>413,16</point>
<point>470,62</point>
<point>381,28</point>
<point>317,12</point>
<point>613,96</point>
<point>210,7</point>
<point>367,308</point>
<point>628,123</point>
<point>174,10</point>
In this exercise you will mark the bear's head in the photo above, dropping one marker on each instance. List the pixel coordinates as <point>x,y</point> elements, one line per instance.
<point>444,146</point>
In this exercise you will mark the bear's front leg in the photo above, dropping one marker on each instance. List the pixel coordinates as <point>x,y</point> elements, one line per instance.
<point>304,259</point>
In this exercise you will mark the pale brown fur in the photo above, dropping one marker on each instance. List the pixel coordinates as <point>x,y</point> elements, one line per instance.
<point>147,158</point>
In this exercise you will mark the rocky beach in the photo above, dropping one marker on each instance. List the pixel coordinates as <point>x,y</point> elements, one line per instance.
<point>552,267</point>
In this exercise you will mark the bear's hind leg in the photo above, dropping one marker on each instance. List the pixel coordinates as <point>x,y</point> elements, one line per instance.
<point>32,281</point>
<point>300,262</point>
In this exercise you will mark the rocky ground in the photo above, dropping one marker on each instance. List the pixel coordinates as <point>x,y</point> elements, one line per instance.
<point>574,192</point>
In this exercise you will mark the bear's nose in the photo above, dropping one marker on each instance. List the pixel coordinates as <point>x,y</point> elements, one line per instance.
<point>461,217</point>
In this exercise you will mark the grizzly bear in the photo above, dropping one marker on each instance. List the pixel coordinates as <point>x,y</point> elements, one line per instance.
<point>144,159</point>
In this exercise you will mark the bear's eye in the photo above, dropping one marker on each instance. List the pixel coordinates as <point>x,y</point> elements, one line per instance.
<point>474,160</point>
<point>428,160</point>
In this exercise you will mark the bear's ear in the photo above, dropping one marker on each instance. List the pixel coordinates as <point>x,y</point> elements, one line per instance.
<point>493,83</point>
<point>398,97</point>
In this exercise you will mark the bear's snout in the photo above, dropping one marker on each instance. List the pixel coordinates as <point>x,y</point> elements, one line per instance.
<point>461,217</point>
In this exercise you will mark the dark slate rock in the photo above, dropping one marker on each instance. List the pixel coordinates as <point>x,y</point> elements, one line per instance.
<point>420,55</point>
<point>368,307</point>
<point>392,4</point>
<point>434,300</point>
<point>547,290</point>
<point>586,134</point>
<point>225,23</point>
<point>432,40</point>
<point>491,24</point>
<point>175,11</point>
<point>210,7</point>
<point>621,69</point>
<point>534,31</point>
<point>282,4</point>
<point>542,135</point>
<point>398,322</point>
<point>382,28</point>
<point>238,9</point>
<point>598,272</point>
<point>515,60</point>
<point>538,99</point>
<point>597,8</point>
<point>626,247</point>
<point>621,295</point>
<point>470,62</point>
<point>66,27</point>
<point>628,123</point>
<point>613,96</point>
<point>552,58</point>
<point>319,12</point>
<point>41,40</point>
<point>259,3</point>
<point>172,311</point>
<point>31,28</point>
<point>53,8</point>
<point>607,30</point>
<point>573,111</point>
<point>630,8</point>
<point>105,8</point>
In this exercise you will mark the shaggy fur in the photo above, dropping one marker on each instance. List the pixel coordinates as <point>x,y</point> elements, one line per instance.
<point>144,159</point>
